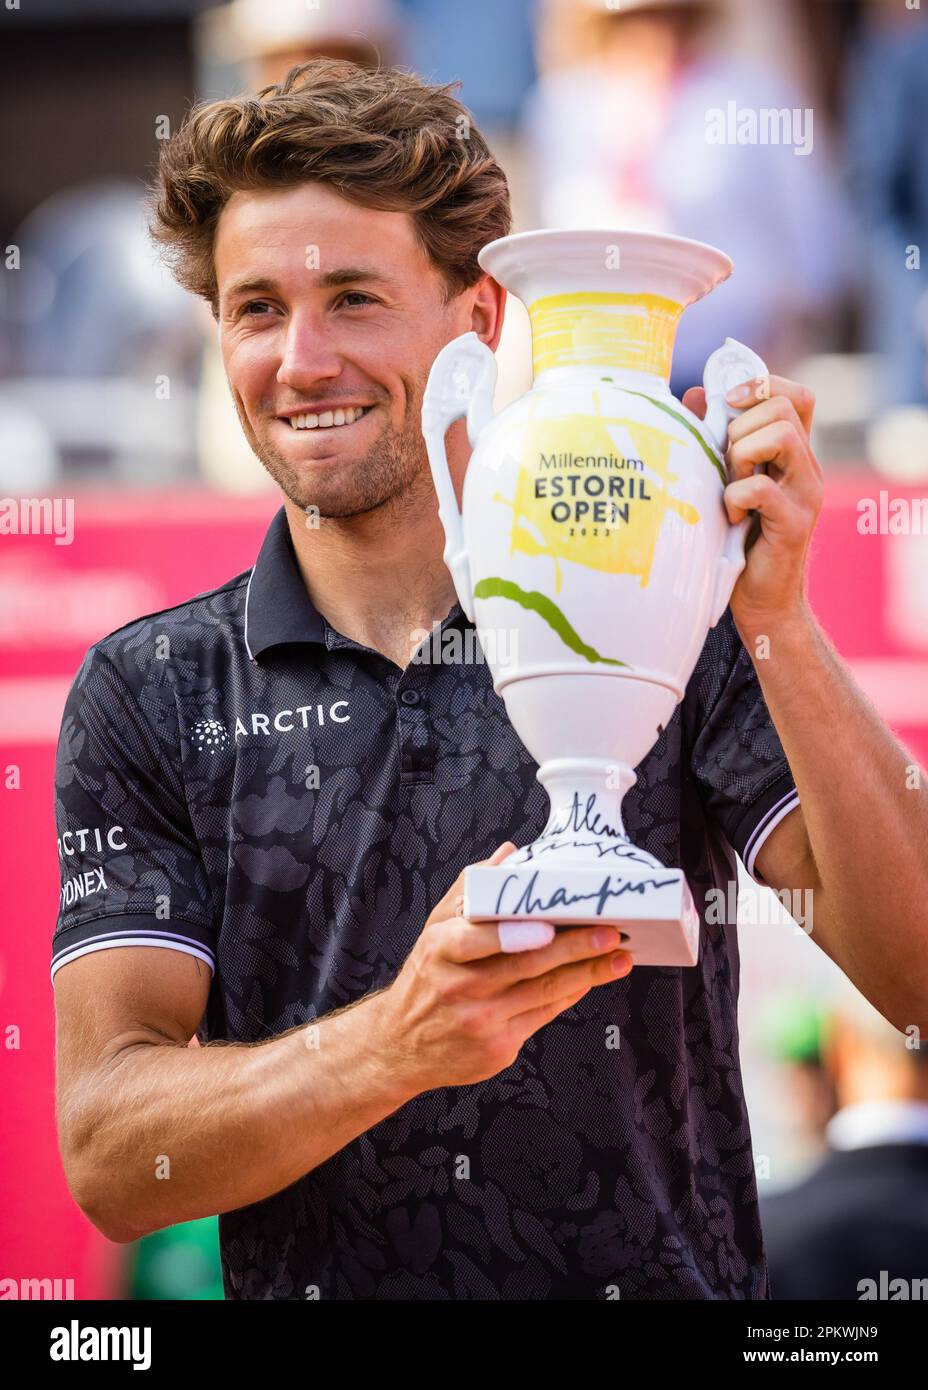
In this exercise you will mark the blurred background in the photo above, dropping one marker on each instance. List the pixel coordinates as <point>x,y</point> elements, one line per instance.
<point>112,394</point>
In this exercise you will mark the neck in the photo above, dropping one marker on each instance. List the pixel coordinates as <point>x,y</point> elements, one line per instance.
<point>378,578</point>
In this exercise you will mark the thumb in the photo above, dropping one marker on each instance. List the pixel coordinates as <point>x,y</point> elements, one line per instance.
<point>452,904</point>
<point>695,400</point>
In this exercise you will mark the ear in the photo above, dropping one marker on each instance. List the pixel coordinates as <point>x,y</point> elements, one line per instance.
<point>488,310</point>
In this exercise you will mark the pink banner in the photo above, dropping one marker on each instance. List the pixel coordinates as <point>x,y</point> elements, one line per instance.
<point>138,554</point>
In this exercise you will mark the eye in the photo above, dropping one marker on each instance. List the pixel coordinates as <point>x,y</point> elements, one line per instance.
<point>254,304</point>
<point>356,294</point>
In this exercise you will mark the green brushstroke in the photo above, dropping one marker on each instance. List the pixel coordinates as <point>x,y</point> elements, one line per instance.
<point>710,454</point>
<point>539,603</point>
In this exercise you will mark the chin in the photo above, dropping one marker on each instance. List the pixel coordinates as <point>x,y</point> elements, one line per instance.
<point>343,486</point>
<point>334,504</point>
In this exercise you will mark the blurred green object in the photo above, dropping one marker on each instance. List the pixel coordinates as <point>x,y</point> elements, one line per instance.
<point>181,1262</point>
<point>790,1028</point>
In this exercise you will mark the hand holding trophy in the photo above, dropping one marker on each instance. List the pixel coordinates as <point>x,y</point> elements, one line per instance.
<point>593,532</point>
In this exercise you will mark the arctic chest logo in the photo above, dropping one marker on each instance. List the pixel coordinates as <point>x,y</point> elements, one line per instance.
<point>208,735</point>
<point>212,735</point>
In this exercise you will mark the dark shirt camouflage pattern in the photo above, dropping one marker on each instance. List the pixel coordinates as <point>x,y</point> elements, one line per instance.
<point>191,816</point>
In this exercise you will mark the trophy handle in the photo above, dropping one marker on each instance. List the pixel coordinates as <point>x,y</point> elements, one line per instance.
<point>462,382</point>
<point>728,366</point>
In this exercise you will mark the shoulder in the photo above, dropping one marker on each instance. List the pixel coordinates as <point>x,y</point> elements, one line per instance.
<point>173,641</point>
<point>129,681</point>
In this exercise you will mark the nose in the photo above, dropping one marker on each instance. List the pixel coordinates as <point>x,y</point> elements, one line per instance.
<point>309,353</point>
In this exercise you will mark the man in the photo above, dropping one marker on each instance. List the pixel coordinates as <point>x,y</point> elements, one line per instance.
<point>856,1227</point>
<point>268,803</point>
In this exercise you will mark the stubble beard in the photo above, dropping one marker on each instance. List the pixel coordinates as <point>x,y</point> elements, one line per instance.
<point>392,472</point>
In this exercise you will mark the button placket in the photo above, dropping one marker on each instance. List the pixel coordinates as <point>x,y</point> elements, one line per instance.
<point>414,731</point>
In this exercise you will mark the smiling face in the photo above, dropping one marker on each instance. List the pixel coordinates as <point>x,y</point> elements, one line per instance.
<point>330,317</point>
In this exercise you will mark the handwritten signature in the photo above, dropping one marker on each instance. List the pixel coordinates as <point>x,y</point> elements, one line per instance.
<point>612,886</point>
<point>585,818</point>
<point>624,850</point>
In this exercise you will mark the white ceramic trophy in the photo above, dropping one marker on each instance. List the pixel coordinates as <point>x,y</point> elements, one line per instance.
<point>593,552</point>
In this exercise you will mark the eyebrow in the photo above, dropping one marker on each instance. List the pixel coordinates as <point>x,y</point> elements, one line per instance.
<point>329,279</point>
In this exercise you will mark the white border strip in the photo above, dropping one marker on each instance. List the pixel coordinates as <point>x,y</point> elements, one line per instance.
<point>111,943</point>
<point>247,592</point>
<point>779,811</point>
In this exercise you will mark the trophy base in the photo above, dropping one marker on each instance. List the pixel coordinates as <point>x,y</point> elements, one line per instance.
<point>652,907</point>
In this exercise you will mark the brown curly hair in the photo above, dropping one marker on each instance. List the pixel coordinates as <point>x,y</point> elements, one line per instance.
<point>381,138</point>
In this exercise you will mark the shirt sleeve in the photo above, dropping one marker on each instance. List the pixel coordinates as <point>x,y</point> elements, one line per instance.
<point>737,758</point>
<point>131,870</point>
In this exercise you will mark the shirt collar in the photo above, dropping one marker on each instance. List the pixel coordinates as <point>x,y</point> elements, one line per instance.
<point>277,603</point>
<point>278,607</point>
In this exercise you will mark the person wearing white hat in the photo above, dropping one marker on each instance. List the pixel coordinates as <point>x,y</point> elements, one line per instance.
<point>270,38</point>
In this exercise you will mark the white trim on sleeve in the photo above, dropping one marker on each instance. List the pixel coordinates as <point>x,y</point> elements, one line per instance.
<point>778,811</point>
<point>109,944</point>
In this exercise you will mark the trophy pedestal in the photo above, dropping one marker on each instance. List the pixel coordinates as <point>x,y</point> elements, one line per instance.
<point>583,869</point>
<point>652,907</point>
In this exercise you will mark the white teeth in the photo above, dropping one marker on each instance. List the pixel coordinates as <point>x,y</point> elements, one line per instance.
<point>328,419</point>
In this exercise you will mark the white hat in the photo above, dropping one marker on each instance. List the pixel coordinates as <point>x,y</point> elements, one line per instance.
<point>258,28</point>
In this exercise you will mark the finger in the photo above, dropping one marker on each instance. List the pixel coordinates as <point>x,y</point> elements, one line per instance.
<point>463,942</point>
<point>466,941</point>
<point>566,979</point>
<point>568,945</point>
<point>504,850</point>
<point>764,388</point>
<point>781,445</point>
<point>778,408</point>
<point>515,937</point>
<point>452,904</point>
<point>777,411</point>
<point>781,515</point>
<point>695,400</point>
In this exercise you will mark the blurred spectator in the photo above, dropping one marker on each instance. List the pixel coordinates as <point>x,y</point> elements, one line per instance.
<point>95,300</point>
<point>265,38</point>
<point>790,1029</point>
<point>887,91</point>
<point>623,137</point>
<point>104,339</point>
<point>864,1210</point>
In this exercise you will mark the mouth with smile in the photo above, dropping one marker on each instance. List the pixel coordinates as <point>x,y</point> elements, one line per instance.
<point>335,418</point>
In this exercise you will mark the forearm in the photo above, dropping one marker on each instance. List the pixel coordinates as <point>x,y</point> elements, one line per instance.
<point>865,806</point>
<point>175,1133</point>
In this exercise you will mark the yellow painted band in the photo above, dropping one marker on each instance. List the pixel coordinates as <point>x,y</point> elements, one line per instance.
<point>634,332</point>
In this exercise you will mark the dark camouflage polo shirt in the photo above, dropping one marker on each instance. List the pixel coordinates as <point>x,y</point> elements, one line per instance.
<point>237,780</point>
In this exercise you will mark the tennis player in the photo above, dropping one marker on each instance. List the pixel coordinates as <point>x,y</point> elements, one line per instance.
<point>266,802</point>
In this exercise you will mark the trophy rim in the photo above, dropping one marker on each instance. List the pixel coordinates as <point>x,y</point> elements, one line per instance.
<point>698,266</point>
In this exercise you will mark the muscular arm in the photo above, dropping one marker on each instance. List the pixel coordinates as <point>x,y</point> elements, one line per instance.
<point>224,1125</point>
<point>153,1131</point>
<point>860,838</point>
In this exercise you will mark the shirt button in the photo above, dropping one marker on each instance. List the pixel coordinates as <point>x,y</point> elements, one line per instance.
<point>409,697</point>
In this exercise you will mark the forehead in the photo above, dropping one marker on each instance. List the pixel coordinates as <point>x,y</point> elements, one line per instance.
<point>270,231</point>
